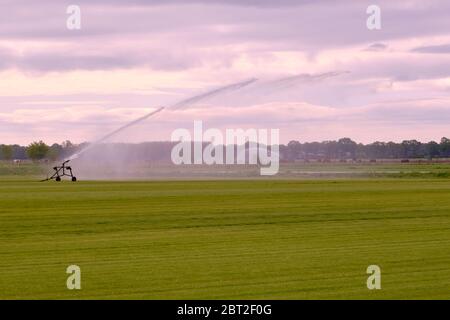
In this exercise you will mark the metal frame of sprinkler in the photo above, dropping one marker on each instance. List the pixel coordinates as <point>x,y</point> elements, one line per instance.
<point>62,171</point>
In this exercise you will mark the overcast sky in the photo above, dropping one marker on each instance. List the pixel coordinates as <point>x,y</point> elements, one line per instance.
<point>321,73</point>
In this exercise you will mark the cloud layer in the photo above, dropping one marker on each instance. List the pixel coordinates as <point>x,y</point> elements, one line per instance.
<point>322,74</point>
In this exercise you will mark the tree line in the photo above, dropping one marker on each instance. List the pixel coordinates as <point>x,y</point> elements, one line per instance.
<point>37,150</point>
<point>344,148</point>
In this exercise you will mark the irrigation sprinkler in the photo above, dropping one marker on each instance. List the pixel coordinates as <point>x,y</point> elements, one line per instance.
<point>62,171</point>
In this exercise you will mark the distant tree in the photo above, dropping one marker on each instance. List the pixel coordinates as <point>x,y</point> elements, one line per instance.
<point>376,150</point>
<point>394,150</point>
<point>411,149</point>
<point>293,150</point>
<point>54,152</point>
<point>347,147</point>
<point>67,149</point>
<point>432,149</point>
<point>6,152</point>
<point>445,147</point>
<point>37,150</point>
<point>331,149</point>
<point>312,149</point>
<point>19,152</point>
<point>67,144</point>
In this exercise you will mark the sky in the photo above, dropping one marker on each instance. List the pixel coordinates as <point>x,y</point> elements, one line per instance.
<point>322,74</point>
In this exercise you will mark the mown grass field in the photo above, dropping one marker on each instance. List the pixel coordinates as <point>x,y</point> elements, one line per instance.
<point>274,239</point>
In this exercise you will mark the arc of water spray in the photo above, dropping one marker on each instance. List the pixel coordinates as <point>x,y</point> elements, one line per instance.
<point>178,105</point>
<point>109,135</point>
<point>213,93</point>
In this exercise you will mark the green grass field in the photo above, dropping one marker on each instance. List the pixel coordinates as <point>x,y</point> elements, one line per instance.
<point>275,239</point>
